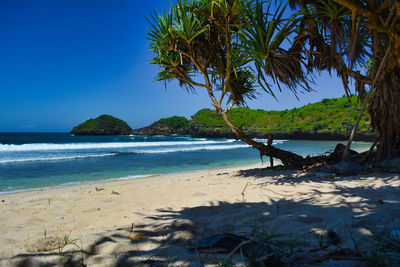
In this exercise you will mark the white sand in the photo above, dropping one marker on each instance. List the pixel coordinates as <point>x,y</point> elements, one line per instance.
<point>171,212</point>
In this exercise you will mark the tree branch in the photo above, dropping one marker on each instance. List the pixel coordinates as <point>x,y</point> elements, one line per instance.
<point>186,79</point>
<point>228,62</point>
<point>205,75</point>
<point>288,158</point>
<point>356,7</point>
<point>229,108</point>
<point>358,76</point>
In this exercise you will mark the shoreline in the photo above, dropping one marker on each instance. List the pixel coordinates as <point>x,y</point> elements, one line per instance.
<point>301,136</point>
<point>137,176</point>
<point>127,178</point>
<point>72,184</point>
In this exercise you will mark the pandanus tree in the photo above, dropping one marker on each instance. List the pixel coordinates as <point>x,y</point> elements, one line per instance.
<point>231,49</point>
<point>339,34</point>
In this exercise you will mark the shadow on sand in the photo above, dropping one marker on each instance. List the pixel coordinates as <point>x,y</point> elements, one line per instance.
<point>293,221</point>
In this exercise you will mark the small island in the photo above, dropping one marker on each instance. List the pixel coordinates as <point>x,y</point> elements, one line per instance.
<point>102,125</point>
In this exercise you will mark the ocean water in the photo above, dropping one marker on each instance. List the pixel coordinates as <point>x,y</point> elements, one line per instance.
<point>41,160</point>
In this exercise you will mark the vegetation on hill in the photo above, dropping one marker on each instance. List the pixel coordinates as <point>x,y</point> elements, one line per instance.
<point>175,122</point>
<point>334,116</point>
<point>102,125</point>
<point>166,126</point>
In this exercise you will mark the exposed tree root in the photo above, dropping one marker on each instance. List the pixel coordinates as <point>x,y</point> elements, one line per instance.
<point>355,163</point>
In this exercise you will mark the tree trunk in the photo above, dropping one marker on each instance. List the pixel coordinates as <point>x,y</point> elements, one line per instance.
<point>385,115</point>
<point>385,105</point>
<point>288,159</point>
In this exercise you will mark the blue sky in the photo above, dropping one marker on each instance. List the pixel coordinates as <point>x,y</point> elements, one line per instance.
<point>63,62</point>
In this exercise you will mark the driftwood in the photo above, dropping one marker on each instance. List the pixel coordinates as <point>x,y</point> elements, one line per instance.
<point>330,163</point>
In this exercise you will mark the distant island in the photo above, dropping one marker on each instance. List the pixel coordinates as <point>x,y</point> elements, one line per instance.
<point>329,119</point>
<point>102,125</point>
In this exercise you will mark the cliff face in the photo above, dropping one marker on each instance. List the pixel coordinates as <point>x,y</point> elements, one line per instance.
<point>160,129</point>
<point>102,125</point>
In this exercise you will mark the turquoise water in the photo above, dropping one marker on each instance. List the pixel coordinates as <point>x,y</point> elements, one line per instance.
<point>37,160</point>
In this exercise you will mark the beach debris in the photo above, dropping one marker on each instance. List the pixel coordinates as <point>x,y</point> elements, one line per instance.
<point>347,168</point>
<point>231,243</point>
<point>333,237</point>
<point>221,243</point>
<point>269,144</point>
<point>313,167</point>
<point>3,200</point>
<point>324,174</point>
<point>131,231</point>
<point>392,165</point>
<point>115,193</point>
<point>138,236</point>
<point>339,150</point>
<point>244,190</point>
<point>99,189</point>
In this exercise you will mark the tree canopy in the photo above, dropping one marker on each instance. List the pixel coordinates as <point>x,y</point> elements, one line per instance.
<point>341,34</point>
<point>229,48</point>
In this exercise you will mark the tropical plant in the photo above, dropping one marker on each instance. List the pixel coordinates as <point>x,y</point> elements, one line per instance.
<point>358,31</point>
<point>230,48</point>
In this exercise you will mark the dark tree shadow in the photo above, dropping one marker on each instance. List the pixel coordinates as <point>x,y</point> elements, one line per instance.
<point>361,215</point>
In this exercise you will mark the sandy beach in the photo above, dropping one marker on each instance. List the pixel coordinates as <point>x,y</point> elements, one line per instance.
<point>157,220</point>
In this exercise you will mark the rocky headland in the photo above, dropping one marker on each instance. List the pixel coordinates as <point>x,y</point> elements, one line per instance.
<point>166,126</point>
<point>103,125</point>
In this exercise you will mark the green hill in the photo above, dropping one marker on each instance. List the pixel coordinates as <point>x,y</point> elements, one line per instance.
<point>102,125</point>
<point>175,122</point>
<point>166,126</point>
<point>329,119</point>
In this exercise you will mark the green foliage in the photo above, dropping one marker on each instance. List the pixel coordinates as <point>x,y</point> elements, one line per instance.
<point>328,116</point>
<point>175,121</point>
<point>367,66</point>
<point>233,45</point>
<point>94,123</point>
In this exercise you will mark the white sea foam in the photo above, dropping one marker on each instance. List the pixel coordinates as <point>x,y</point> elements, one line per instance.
<point>196,148</point>
<point>56,158</point>
<point>77,146</point>
<point>275,142</point>
<point>141,151</point>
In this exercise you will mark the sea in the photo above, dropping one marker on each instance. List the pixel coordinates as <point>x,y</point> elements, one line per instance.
<point>32,161</point>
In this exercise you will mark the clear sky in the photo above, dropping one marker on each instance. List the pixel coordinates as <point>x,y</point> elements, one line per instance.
<point>65,61</point>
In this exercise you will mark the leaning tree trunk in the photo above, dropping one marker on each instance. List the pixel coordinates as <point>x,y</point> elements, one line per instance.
<point>288,159</point>
<point>384,108</point>
<point>385,114</point>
